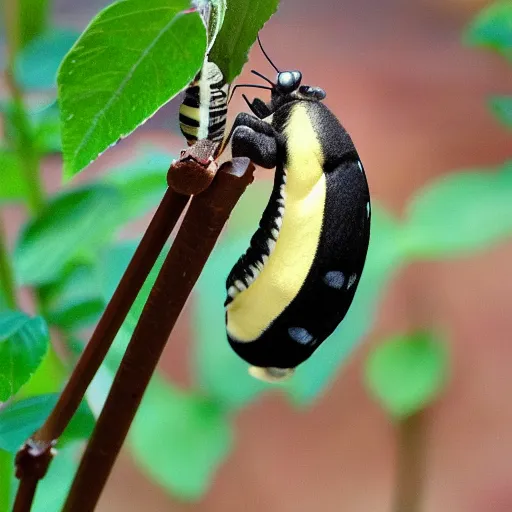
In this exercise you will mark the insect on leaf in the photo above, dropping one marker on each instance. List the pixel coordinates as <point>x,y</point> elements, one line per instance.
<point>132,59</point>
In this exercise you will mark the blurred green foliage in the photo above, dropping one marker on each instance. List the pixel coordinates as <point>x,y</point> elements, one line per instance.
<point>69,255</point>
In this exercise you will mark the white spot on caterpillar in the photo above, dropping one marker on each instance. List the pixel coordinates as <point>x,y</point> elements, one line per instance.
<point>334,279</point>
<point>281,209</point>
<point>275,233</point>
<point>232,291</point>
<point>351,280</point>
<point>278,221</point>
<point>300,335</point>
<point>368,209</point>
<point>254,270</point>
<point>271,244</point>
<point>264,259</point>
<point>360,165</point>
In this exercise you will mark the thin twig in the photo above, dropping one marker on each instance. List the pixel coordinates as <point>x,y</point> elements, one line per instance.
<point>411,463</point>
<point>201,227</point>
<point>25,495</point>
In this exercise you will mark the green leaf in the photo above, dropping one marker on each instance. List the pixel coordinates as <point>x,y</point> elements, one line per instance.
<point>242,22</point>
<point>11,176</point>
<point>23,344</point>
<point>382,262</point>
<point>461,212</point>
<point>37,64</point>
<point>502,108</point>
<point>197,438</point>
<point>132,59</point>
<point>33,19</point>
<point>19,420</point>
<point>492,28</point>
<point>75,300</point>
<point>72,222</point>
<point>406,373</point>
<point>142,183</point>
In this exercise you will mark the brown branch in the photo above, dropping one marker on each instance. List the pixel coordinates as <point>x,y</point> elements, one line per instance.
<point>201,227</point>
<point>411,463</point>
<point>156,235</point>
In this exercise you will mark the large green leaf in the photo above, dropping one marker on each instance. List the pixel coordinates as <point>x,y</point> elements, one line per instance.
<point>133,58</point>
<point>406,373</point>
<point>242,22</point>
<point>459,213</point>
<point>6,474</point>
<point>19,420</point>
<point>12,180</point>
<point>502,108</point>
<point>70,223</point>
<point>492,28</point>
<point>37,63</point>
<point>23,344</point>
<point>179,439</point>
<point>383,259</point>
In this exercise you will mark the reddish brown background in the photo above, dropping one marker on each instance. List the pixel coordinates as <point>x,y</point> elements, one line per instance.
<point>413,99</point>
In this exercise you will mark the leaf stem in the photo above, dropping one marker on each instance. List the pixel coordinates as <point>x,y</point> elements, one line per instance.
<point>411,463</point>
<point>28,154</point>
<point>6,470</point>
<point>7,282</point>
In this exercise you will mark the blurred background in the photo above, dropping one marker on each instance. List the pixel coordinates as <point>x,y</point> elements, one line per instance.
<point>414,97</point>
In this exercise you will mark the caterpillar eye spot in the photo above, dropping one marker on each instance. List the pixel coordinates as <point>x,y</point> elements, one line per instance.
<point>334,279</point>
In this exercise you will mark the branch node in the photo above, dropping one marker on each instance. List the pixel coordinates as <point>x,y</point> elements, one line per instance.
<point>33,459</point>
<point>194,171</point>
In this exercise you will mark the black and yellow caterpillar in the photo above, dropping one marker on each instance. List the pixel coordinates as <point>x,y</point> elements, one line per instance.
<point>297,279</point>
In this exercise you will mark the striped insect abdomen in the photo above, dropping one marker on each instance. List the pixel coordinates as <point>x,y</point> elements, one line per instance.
<point>204,108</point>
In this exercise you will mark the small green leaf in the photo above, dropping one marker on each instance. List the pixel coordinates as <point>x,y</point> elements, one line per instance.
<point>382,262</point>
<point>458,213</point>
<point>132,59</point>
<point>12,181</point>
<point>502,108</point>
<point>19,420</point>
<point>406,373</point>
<point>23,344</point>
<point>74,221</point>
<point>196,438</point>
<point>37,64</point>
<point>242,22</point>
<point>492,28</point>
<point>142,183</point>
